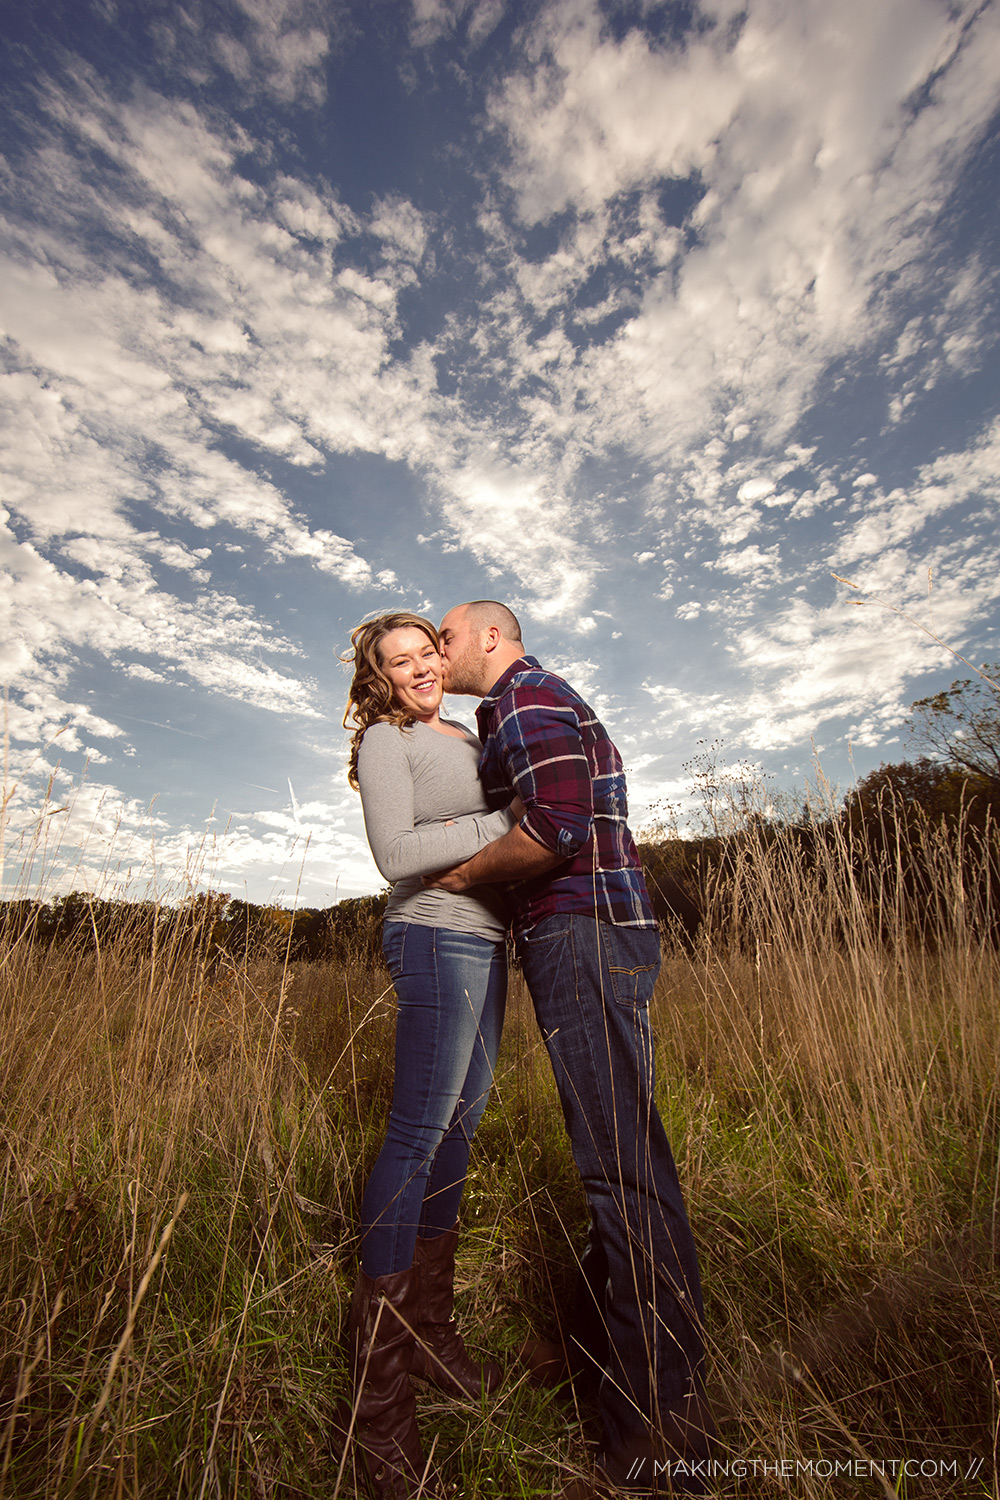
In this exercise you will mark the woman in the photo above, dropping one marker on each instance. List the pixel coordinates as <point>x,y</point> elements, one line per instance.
<point>424,810</point>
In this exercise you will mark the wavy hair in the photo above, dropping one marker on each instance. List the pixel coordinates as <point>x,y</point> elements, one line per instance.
<point>371,699</point>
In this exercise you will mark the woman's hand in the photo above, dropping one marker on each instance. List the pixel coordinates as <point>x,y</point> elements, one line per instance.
<point>517,809</point>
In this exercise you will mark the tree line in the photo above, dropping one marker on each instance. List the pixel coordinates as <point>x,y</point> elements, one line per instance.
<point>216,929</point>
<point>883,838</point>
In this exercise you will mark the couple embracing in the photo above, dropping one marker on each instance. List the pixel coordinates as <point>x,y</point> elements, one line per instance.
<point>528,817</point>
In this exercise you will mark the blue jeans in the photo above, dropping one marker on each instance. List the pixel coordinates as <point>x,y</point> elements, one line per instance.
<point>590,982</point>
<point>452,991</point>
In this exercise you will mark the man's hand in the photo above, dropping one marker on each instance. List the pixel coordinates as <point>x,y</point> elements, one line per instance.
<point>517,856</point>
<point>455,879</point>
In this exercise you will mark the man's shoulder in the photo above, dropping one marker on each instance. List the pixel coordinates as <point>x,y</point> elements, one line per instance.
<point>528,701</point>
<point>536,697</point>
<point>531,681</point>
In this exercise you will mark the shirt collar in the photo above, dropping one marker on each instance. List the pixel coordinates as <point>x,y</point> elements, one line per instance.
<point>500,686</point>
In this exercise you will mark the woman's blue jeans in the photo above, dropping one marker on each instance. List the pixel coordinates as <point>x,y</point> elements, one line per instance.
<point>452,989</point>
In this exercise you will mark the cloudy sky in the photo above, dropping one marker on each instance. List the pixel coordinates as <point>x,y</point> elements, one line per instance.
<point>645,318</point>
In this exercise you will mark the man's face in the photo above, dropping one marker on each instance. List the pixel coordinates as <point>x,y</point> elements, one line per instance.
<point>466,667</point>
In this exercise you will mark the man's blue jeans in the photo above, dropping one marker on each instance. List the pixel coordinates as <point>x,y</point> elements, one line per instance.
<point>590,982</point>
<point>452,991</point>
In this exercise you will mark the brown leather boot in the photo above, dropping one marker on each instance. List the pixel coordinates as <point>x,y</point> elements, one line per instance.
<point>439,1354</point>
<point>385,1426</point>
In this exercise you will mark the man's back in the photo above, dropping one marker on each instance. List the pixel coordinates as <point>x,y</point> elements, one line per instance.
<point>544,742</point>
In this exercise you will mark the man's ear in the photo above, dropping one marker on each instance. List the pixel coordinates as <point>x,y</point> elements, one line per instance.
<point>492,639</point>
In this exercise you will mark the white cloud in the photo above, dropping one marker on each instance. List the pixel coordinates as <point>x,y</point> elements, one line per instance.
<point>502,513</point>
<point>592,117</point>
<point>434,19</point>
<point>750,563</point>
<point>65,833</point>
<point>401,227</point>
<point>821,184</point>
<point>39,717</point>
<point>46,615</point>
<point>279,49</point>
<point>947,483</point>
<point>143,673</point>
<point>755,489</point>
<point>852,659</point>
<point>247,329</point>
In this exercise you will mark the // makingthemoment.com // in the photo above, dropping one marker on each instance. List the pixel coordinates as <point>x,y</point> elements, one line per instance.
<point>815,1468</point>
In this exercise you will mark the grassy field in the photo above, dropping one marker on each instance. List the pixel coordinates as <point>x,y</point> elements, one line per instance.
<point>184,1156</point>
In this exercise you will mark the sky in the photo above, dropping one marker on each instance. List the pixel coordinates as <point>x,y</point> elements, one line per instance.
<point>646,319</point>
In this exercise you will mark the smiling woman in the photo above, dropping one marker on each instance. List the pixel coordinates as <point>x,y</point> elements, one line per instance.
<point>413,667</point>
<point>424,809</point>
<point>386,653</point>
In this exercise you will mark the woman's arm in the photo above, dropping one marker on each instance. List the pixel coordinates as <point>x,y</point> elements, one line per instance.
<point>400,848</point>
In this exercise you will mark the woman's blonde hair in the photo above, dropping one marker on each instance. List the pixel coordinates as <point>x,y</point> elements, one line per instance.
<point>371,699</point>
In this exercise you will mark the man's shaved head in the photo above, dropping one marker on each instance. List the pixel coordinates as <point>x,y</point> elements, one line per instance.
<point>479,640</point>
<point>482,613</point>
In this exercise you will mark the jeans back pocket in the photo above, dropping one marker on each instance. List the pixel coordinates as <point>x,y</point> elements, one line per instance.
<point>633,959</point>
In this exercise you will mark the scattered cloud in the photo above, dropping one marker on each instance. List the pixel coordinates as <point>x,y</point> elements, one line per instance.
<point>623,315</point>
<point>814,187</point>
<point>264,47</point>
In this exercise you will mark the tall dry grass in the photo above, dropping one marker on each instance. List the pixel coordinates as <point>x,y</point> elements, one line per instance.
<point>185,1152</point>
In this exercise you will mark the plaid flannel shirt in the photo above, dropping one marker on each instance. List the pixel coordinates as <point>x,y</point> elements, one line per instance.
<point>542,741</point>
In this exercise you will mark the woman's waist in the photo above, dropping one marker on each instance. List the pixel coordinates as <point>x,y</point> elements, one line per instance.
<point>484,910</point>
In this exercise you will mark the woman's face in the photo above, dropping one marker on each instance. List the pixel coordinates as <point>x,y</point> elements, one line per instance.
<point>411,662</point>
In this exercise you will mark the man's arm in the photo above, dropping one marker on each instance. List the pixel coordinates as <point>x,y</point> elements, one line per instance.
<point>516,856</point>
<point>544,762</point>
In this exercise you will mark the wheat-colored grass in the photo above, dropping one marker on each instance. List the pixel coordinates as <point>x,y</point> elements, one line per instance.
<point>185,1149</point>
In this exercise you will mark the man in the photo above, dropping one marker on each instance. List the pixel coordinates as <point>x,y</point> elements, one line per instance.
<point>590,951</point>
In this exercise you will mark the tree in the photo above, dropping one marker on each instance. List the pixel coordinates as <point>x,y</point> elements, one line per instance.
<point>913,793</point>
<point>961,725</point>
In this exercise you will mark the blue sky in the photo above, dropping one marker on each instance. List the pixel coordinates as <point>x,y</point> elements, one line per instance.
<point>644,318</point>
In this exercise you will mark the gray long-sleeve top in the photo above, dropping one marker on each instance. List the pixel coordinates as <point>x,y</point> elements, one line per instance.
<point>412,781</point>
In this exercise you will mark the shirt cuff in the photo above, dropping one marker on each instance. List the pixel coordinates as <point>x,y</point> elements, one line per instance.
<point>559,838</point>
